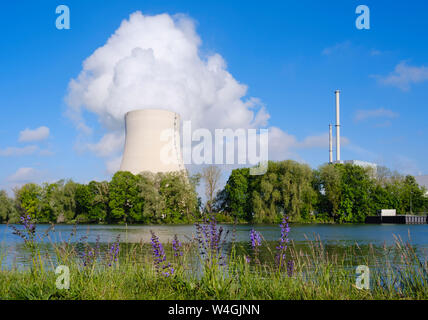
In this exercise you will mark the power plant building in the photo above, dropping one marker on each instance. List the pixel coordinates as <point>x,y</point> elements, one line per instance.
<point>152,142</point>
<point>423,181</point>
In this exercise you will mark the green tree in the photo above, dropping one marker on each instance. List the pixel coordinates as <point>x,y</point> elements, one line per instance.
<point>28,200</point>
<point>50,205</point>
<point>154,204</point>
<point>236,198</point>
<point>328,184</point>
<point>98,200</point>
<point>126,203</point>
<point>7,208</point>
<point>286,187</point>
<point>412,196</point>
<point>83,200</point>
<point>356,188</point>
<point>179,196</point>
<point>67,199</point>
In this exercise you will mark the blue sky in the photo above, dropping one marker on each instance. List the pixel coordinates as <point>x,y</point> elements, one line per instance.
<point>292,55</point>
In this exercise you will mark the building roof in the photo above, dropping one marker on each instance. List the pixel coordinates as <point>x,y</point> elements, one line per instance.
<point>361,163</point>
<point>422,180</point>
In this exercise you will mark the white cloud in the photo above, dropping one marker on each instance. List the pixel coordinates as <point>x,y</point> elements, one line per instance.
<point>16,151</point>
<point>375,52</point>
<point>406,165</point>
<point>24,151</point>
<point>113,165</point>
<point>281,144</point>
<point>23,175</point>
<point>155,62</point>
<point>46,152</point>
<point>362,152</point>
<point>41,133</point>
<point>362,115</point>
<point>109,144</point>
<point>404,76</point>
<point>339,47</point>
<point>383,124</point>
<point>320,141</point>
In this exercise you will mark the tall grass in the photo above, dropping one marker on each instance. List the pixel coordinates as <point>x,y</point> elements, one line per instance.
<point>212,268</point>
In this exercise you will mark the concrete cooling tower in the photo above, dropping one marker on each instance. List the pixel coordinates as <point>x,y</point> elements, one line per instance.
<point>152,142</point>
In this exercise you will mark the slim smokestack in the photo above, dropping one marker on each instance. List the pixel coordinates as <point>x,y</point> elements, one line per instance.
<point>330,141</point>
<point>337,92</point>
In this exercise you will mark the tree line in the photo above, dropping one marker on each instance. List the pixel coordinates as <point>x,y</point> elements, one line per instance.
<point>332,193</point>
<point>127,198</point>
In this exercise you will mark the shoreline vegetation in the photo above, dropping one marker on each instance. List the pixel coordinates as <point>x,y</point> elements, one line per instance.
<point>333,193</point>
<point>212,267</point>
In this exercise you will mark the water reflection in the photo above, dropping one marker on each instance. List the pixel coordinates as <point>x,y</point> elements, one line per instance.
<point>335,238</point>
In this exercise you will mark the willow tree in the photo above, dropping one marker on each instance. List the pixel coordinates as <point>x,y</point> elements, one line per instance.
<point>125,198</point>
<point>328,185</point>
<point>7,209</point>
<point>179,196</point>
<point>286,188</point>
<point>28,200</point>
<point>154,204</point>
<point>236,196</point>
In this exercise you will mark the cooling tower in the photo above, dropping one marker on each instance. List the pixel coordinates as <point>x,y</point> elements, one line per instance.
<point>152,142</point>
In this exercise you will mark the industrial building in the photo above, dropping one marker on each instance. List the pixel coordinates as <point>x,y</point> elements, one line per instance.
<point>152,142</point>
<point>423,181</point>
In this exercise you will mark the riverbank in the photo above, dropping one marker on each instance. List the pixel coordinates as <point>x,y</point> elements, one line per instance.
<point>142,283</point>
<point>220,218</point>
<point>177,271</point>
<point>136,281</point>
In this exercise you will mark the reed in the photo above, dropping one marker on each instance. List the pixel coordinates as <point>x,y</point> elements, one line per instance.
<point>209,267</point>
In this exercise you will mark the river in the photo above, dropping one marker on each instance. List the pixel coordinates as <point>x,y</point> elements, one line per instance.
<point>333,236</point>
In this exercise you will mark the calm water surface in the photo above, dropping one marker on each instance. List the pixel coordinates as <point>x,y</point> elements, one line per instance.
<point>14,253</point>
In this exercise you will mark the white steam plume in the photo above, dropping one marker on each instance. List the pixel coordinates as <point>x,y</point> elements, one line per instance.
<point>155,62</point>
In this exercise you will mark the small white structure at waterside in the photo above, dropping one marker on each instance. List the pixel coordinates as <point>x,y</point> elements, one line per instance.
<point>387,213</point>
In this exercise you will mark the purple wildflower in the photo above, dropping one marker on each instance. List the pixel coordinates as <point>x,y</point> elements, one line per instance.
<point>29,232</point>
<point>290,268</point>
<point>210,240</point>
<point>256,241</point>
<point>28,224</point>
<point>88,254</point>
<point>176,246</point>
<point>113,253</point>
<point>161,265</point>
<point>283,241</point>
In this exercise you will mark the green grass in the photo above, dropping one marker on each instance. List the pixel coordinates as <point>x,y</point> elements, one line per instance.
<point>396,273</point>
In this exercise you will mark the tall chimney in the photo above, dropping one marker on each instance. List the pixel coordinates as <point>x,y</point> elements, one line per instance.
<point>337,92</point>
<point>330,142</point>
